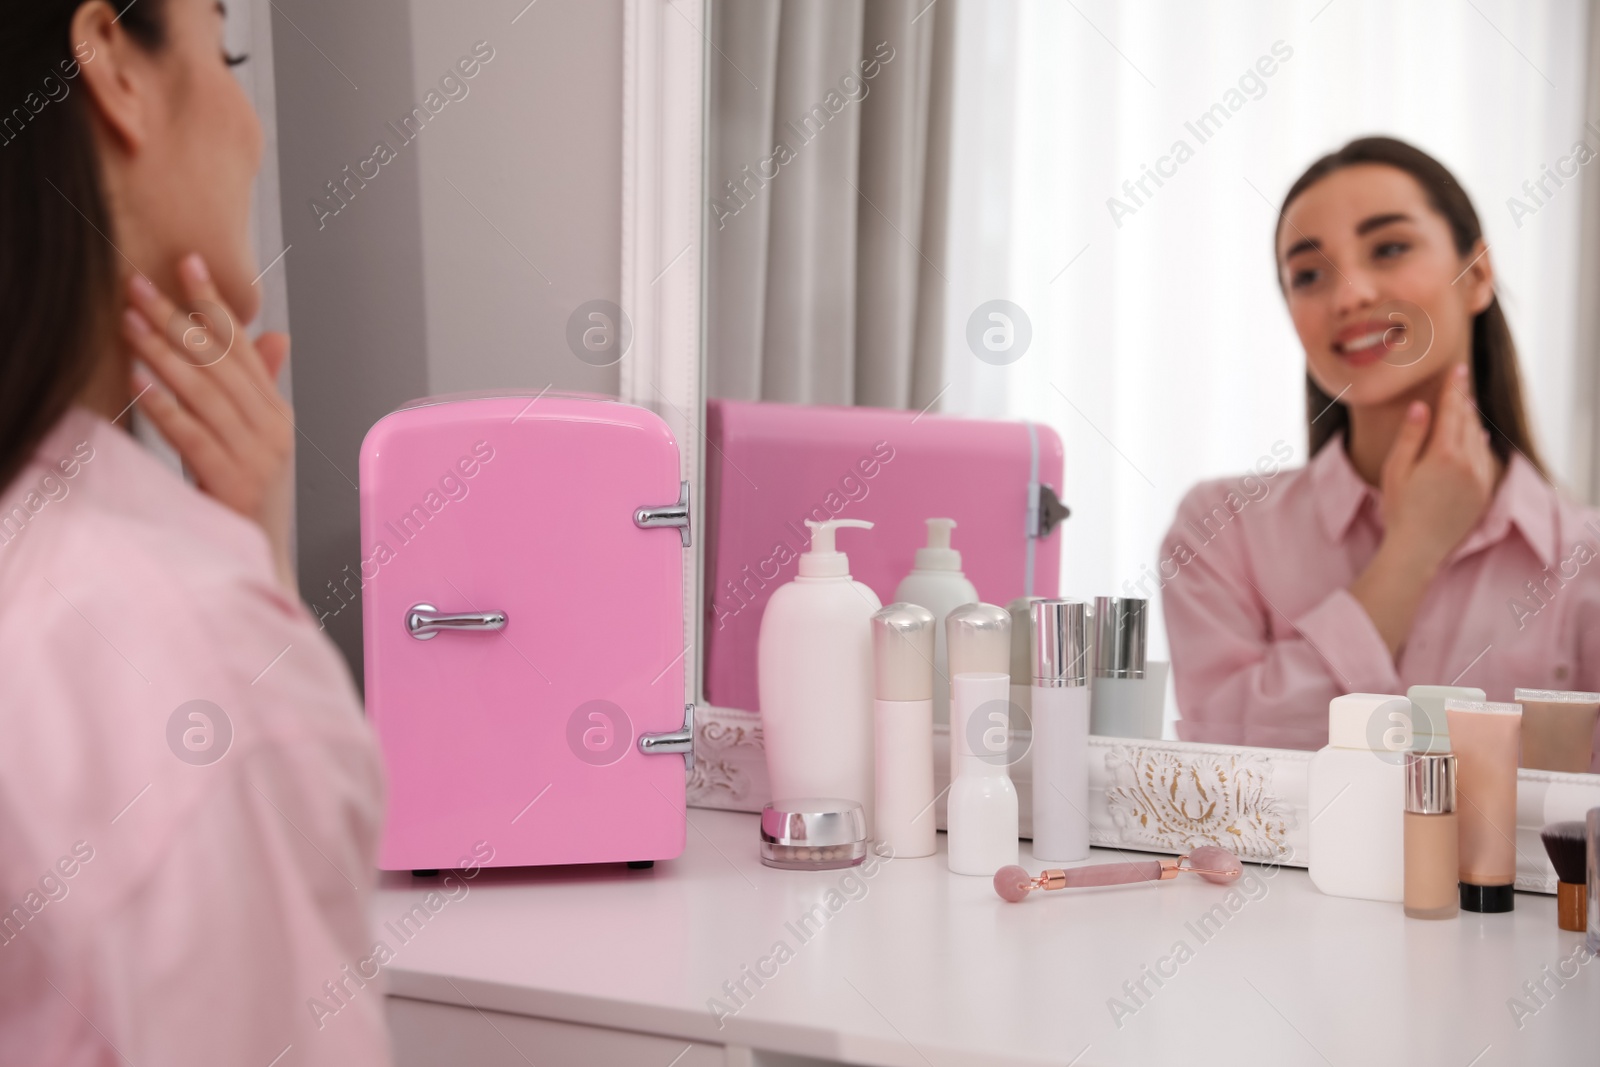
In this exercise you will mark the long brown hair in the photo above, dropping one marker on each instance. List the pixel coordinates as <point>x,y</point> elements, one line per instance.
<point>58,270</point>
<point>1496,381</point>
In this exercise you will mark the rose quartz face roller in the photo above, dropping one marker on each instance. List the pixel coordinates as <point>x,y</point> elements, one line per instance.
<point>1211,862</point>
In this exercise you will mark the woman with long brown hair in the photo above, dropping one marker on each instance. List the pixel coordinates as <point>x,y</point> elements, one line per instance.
<point>1422,543</point>
<point>189,797</point>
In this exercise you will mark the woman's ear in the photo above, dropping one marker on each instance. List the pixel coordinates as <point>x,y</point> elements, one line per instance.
<point>1478,277</point>
<point>117,81</point>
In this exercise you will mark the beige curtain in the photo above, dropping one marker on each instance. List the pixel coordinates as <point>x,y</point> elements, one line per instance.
<point>828,186</point>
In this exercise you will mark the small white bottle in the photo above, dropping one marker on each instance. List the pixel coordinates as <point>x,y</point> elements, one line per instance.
<point>979,639</point>
<point>1061,730</point>
<point>936,583</point>
<point>983,801</point>
<point>1124,700</point>
<point>1021,610</point>
<point>814,674</point>
<point>1356,798</point>
<point>902,654</point>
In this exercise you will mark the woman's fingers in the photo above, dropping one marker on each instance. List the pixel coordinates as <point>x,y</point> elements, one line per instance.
<point>197,390</point>
<point>1453,408</point>
<point>201,450</point>
<point>1408,443</point>
<point>215,336</point>
<point>273,348</point>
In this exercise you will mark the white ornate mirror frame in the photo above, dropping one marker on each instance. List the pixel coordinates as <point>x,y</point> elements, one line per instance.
<point>1151,796</point>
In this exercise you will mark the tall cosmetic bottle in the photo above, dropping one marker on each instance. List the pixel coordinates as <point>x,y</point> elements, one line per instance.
<point>1061,730</point>
<point>1124,703</point>
<point>979,639</point>
<point>1022,652</point>
<point>936,583</point>
<point>982,815</point>
<point>814,670</point>
<point>1486,737</point>
<point>1355,791</point>
<point>1432,858</point>
<point>1430,727</point>
<point>902,653</point>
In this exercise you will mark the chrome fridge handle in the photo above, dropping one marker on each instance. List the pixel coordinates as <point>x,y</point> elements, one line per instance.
<point>675,741</point>
<point>424,621</point>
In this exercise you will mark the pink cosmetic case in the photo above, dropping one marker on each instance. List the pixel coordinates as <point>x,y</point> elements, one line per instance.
<point>771,467</point>
<point>522,568</point>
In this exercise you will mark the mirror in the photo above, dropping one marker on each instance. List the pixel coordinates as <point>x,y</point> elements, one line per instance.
<point>1066,219</point>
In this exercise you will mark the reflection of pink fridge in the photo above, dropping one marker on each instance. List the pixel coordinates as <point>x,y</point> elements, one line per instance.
<point>771,467</point>
<point>522,594</point>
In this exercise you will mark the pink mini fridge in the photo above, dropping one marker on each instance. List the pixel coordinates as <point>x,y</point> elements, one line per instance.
<point>522,568</point>
<point>770,467</point>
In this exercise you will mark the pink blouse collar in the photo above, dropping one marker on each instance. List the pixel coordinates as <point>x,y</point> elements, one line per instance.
<point>1523,500</point>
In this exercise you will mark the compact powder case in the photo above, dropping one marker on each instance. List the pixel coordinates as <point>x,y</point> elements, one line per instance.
<point>813,834</point>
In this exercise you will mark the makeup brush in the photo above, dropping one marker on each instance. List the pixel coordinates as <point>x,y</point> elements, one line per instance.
<point>1211,862</point>
<point>1567,844</point>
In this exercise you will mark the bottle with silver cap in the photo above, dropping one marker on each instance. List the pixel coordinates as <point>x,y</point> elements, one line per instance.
<point>1432,862</point>
<point>1061,730</point>
<point>981,809</point>
<point>978,639</point>
<point>1021,610</point>
<point>902,652</point>
<point>1123,701</point>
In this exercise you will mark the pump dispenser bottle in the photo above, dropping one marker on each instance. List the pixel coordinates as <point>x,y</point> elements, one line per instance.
<point>814,671</point>
<point>936,583</point>
<point>1061,730</point>
<point>902,653</point>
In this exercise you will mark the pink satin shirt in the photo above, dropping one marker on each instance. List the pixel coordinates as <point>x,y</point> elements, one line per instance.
<point>1264,632</point>
<point>190,798</point>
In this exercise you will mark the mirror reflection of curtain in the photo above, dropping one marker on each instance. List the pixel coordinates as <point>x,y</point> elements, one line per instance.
<point>827,185</point>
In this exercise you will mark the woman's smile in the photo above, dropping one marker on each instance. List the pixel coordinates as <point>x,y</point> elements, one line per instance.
<point>1368,341</point>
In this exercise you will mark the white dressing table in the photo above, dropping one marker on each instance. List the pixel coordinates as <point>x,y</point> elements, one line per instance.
<point>602,965</point>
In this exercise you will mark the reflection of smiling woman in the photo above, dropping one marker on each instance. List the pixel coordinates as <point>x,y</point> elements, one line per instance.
<point>1402,553</point>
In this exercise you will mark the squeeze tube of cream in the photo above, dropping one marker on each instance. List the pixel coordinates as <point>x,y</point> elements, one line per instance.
<point>1557,729</point>
<point>1486,737</point>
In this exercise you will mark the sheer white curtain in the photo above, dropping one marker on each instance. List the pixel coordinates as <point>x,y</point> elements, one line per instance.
<point>1161,351</point>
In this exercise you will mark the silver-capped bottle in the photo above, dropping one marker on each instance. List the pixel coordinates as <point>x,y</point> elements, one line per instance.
<point>1060,730</point>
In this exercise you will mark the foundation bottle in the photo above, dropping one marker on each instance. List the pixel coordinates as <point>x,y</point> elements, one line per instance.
<point>1432,862</point>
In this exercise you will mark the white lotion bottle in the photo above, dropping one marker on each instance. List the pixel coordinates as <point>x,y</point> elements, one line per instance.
<point>814,674</point>
<point>902,654</point>
<point>979,640</point>
<point>1356,797</point>
<point>936,583</point>
<point>1061,730</point>
<point>983,817</point>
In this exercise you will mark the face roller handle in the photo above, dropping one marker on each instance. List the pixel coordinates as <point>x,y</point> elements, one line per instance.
<point>1210,862</point>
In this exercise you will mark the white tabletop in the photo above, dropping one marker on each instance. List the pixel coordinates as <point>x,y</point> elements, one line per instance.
<point>918,966</point>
